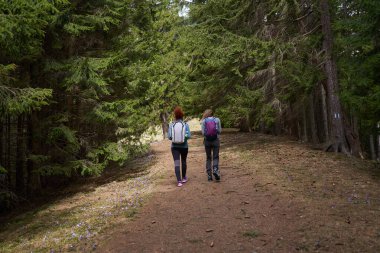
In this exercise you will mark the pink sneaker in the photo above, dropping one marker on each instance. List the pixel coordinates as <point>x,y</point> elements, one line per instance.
<point>184,180</point>
<point>179,184</point>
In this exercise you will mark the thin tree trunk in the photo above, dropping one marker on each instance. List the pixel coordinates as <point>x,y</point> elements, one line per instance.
<point>378,141</point>
<point>31,183</point>
<point>8,146</point>
<point>4,183</point>
<point>165,125</point>
<point>313,130</point>
<point>324,114</point>
<point>352,138</point>
<point>372,147</point>
<point>20,182</point>
<point>304,125</point>
<point>299,130</point>
<point>314,137</point>
<point>1,145</point>
<point>70,105</point>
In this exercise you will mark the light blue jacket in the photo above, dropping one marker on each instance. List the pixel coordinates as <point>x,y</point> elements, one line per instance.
<point>218,125</point>
<point>187,136</point>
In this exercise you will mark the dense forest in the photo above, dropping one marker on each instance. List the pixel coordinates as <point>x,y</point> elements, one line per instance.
<point>81,81</point>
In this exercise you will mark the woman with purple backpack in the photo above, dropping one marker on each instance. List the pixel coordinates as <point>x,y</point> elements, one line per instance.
<point>211,129</point>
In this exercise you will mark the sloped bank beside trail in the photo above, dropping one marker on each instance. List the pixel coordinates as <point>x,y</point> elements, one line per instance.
<point>276,195</point>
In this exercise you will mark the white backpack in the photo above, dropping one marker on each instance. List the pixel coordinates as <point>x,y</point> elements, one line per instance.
<point>178,132</point>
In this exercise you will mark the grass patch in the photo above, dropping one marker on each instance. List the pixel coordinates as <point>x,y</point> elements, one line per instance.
<point>69,223</point>
<point>302,248</point>
<point>131,212</point>
<point>195,240</point>
<point>251,234</point>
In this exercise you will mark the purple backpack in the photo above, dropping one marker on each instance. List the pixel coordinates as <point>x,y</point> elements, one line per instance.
<point>211,129</point>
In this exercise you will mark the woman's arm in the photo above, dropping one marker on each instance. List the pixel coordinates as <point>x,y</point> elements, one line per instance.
<point>188,133</point>
<point>170,131</point>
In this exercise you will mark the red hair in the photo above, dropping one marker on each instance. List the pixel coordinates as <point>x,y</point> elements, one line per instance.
<point>178,113</point>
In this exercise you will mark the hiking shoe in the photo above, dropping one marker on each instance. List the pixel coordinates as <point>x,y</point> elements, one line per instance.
<point>209,176</point>
<point>184,180</point>
<point>179,184</point>
<point>216,175</point>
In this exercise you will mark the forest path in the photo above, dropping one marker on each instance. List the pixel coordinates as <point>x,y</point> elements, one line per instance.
<point>275,195</point>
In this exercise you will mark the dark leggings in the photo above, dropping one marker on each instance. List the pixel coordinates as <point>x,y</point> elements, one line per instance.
<point>212,154</point>
<point>177,154</point>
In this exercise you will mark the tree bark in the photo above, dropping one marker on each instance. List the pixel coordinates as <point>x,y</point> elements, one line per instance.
<point>304,125</point>
<point>352,138</point>
<point>20,182</point>
<point>324,114</point>
<point>299,130</point>
<point>33,183</point>
<point>313,130</point>
<point>337,134</point>
<point>372,147</point>
<point>244,125</point>
<point>8,151</point>
<point>164,123</point>
<point>1,145</point>
<point>378,141</point>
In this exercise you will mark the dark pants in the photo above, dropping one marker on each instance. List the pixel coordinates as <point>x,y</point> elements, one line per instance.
<point>212,147</point>
<point>177,154</point>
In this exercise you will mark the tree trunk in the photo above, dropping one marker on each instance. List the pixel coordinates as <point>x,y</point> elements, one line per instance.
<point>1,145</point>
<point>378,141</point>
<point>352,138</point>
<point>164,123</point>
<point>8,151</point>
<point>244,125</point>
<point>337,135</point>
<point>304,125</point>
<point>324,113</point>
<point>372,147</point>
<point>20,182</point>
<point>299,130</point>
<point>33,179</point>
<point>314,137</point>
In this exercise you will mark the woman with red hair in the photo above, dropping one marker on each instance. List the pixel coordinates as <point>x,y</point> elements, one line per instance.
<point>179,133</point>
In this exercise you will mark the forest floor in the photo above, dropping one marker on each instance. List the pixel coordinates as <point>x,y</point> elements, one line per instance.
<point>275,195</point>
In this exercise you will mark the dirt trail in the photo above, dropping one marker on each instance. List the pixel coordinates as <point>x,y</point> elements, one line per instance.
<point>275,195</point>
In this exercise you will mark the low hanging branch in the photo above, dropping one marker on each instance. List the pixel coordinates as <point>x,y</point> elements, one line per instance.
<point>311,31</point>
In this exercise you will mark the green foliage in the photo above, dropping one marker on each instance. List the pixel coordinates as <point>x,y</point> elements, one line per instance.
<point>23,24</point>
<point>226,62</point>
<point>52,169</point>
<point>109,152</point>
<point>26,100</point>
<point>8,200</point>
<point>85,74</point>
<point>359,57</point>
<point>301,79</point>
<point>99,158</point>
<point>5,76</point>
<point>64,138</point>
<point>3,170</point>
<point>38,159</point>
<point>88,168</point>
